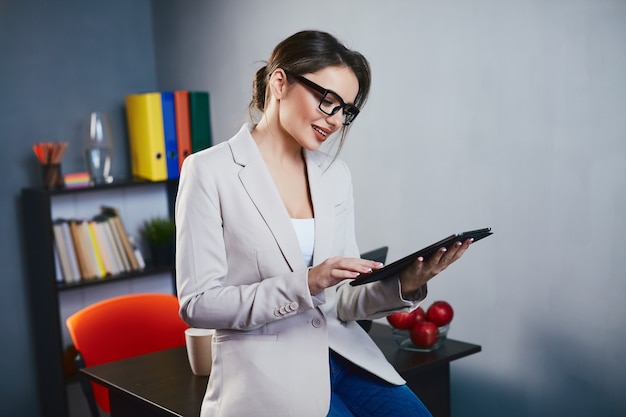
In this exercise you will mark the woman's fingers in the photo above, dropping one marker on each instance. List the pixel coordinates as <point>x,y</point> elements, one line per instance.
<point>446,256</point>
<point>420,272</point>
<point>355,265</point>
<point>334,270</point>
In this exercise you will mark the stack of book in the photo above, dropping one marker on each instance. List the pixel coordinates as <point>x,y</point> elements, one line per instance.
<point>76,180</point>
<point>164,128</point>
<point>95,248</point>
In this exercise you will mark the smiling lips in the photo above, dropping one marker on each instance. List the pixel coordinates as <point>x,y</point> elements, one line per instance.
<point>322,134</point>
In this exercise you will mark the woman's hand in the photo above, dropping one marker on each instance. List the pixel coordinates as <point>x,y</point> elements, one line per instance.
<point>420,272</point>
<point>334,270</point>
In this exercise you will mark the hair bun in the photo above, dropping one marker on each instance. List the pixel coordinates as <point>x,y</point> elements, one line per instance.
<point>259,86</point>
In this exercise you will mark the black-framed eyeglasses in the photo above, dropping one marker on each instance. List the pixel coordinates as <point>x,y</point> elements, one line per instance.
<point>331,102</point>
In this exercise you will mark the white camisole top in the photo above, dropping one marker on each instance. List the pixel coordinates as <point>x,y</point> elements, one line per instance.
<point>305,230</point>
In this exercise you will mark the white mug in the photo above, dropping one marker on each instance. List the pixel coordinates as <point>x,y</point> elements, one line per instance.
<point>199,350</point>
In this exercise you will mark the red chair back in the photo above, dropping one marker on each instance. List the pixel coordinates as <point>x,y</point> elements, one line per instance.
<point>123,327</point>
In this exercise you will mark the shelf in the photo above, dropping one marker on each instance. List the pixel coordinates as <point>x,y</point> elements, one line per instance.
<point>122,183</point>
<point>121,277</point>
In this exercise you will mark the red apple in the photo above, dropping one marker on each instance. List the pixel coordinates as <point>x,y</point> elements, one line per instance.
<point>440,313</point>
<point>404,320</point>
<point>424,334</point>
<point>420,314</point>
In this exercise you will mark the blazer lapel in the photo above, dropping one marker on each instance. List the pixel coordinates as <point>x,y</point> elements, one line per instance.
<point>322,208</point>
<point>260,186</point>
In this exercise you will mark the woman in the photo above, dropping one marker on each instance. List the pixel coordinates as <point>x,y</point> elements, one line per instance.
<point>266,249</point>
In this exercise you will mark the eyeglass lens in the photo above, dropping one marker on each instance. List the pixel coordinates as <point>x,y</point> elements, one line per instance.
<point>331,103</point>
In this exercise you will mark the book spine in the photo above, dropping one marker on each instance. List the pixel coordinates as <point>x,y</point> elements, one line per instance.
<point>122,264</point>
<point>71,252</point>
<point>138,254</point>
<point>118,245</point>
<point>121,231</point>
<point>62,252</point>
<point>92,257</point>
<point>104,258</point>
<point>81,253</point>
<point>58,273</point>
<point>105,233</point>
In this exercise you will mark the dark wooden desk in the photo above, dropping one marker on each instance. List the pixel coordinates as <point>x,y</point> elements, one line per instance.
<point>162,384</point>
<point>427,374</point>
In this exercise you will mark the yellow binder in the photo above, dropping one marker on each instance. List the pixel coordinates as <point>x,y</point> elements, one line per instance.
<point>146,137</point>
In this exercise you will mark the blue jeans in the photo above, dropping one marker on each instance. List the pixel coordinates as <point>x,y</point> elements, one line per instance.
<point>357,393</point>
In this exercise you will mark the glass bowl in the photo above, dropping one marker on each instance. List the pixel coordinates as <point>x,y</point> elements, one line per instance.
<point>403,339</point>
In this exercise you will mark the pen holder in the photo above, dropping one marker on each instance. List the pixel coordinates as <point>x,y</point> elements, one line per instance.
<point>52,177</point>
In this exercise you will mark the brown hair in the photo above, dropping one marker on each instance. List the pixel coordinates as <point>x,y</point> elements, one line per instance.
<point>308,52</point>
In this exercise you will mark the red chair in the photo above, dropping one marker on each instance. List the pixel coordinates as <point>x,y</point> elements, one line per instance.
<point>123,327</point>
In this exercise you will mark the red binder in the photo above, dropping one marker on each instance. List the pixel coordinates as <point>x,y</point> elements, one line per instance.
<point>183,133</point>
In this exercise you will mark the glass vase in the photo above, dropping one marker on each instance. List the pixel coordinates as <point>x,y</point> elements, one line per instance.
<point>98,148</point>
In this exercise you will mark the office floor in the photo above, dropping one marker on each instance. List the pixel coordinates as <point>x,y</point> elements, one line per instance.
<point>77,403</point>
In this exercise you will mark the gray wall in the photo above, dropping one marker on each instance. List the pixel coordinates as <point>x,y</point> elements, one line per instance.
<point>482,113</point>
<point>58,62</point>
<point>507,114</point>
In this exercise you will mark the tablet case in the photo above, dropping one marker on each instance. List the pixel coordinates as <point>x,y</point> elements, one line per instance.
<point>395,267</point>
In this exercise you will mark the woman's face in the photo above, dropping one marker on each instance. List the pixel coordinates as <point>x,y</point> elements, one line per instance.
<point>299,114</point>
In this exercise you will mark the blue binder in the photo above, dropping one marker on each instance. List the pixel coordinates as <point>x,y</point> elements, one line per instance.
<point>169,130</point>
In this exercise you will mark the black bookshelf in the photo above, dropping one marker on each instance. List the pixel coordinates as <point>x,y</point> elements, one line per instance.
<point>44,289</point>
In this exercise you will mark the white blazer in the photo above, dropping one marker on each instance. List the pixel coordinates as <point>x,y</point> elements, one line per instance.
<point>240,270</point>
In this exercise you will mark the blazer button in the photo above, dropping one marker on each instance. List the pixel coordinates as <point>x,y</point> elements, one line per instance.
<point>317,322</point>
<point>282,310</point>
<point>277,313</point>
<point>294,306</point>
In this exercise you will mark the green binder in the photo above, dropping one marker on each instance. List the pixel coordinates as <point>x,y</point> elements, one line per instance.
<point>200,120</point>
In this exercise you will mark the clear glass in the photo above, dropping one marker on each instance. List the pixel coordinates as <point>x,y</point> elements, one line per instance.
<point>403,339</point>
<point>99,148</point>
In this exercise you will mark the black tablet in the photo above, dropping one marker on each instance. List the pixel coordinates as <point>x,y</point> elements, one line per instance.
<point>395,267</point>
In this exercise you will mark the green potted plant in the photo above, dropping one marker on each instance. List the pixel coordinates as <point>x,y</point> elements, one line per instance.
<point>159,233</point>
